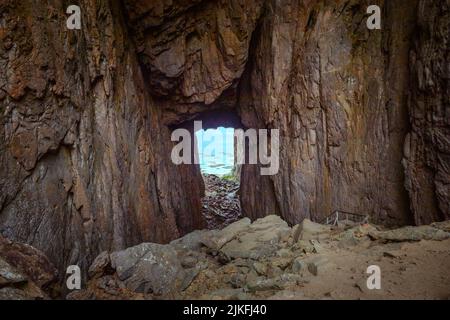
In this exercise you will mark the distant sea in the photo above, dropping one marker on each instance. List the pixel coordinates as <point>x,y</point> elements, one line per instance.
<point>216,150</point>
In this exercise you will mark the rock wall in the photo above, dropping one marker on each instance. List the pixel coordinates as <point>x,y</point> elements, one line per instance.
<point>427,145</point>
<point>338,93</point>
<point>345,98</point>
<point>86,115</point>
<point>85,162</point>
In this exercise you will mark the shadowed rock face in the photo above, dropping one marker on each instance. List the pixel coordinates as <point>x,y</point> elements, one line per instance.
<point>338,92</point>
<point>85,115</point>
<point>85,162</point>
<point>427,145</point>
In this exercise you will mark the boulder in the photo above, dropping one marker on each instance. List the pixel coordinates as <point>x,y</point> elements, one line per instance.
<point>443,225</point>
<point>30,262</point>
<point>263,284</point>
<point>355,235</point>
<point>193,240</point>
<point>149,268</point>
<point>237,280</point>
<point>308,246</point>
<point>189,261</point>
<point>308,230</point>
<point>411,234</point>
<point>284,253</point>
<point>298,265</point>
<point>10,275</point>
<point>260,268</point>
<point>304,246</point>
<point>100,265</point>
<point>258,240</point>
<point>317,264</point>
<point>217,240</point>
<point>280,262</point>
<point>15,285</point>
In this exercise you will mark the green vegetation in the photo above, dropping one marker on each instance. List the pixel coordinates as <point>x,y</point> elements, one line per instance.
<point>229,177</point>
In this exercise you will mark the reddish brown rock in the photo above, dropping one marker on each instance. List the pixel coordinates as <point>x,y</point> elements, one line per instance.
<point>427,145</point>
<point>193,50</point>
<point>86,115</point>
<point>84,159</point>
<point>29,261</point>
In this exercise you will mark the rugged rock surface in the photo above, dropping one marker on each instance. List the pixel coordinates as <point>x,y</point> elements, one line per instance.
<point>258,240</point>
<point>84,160</point>
<point>220,205</point>
<point>427,145</point>
<point>25,273</point>
<point>195,49</point>
<point>338,93</point>
<point>263,260</point>
<point>344,97</point>
<point>85,116</point>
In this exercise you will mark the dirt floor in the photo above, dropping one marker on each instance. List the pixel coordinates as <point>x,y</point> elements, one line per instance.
<point>419,270</point>
<point>409,270</point>
<point>267,259</point>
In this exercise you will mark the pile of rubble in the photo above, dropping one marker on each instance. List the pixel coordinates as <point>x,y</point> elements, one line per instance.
<point>221,205</point>
<point>267,259</point>
<point>25,273</point>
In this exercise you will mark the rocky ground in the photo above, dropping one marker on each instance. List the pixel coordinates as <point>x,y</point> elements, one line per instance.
<point>265,259</point>
<point>221,205</point>
<point>25,273</point>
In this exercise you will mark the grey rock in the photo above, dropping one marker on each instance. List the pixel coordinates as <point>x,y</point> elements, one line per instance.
<point>304,246</point>
<point>99,265</point>
<point>260,239</point>
<point>189,261</point>
<point>189,276</point>
<point>284,253</point>
<point>10,275</point>
<point>9,293</point>
<point>316,265</point>
<point>355,235</point>
<point>193,240</point>
<point>299,265</point>
<point>263,284</point>
<point>308,230</point>
<point>219,239</point>
<point>281,263</point>
<point>443,225</point>
<point>317,247</point>
<point>411,234</point>
<point>260,268</point>
<point>149,267</point>
<point>237,280</point>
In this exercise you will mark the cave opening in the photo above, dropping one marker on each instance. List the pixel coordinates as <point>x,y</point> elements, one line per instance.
<point>215,148</point>
<point>216,154</point>
<point>216,151</point>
